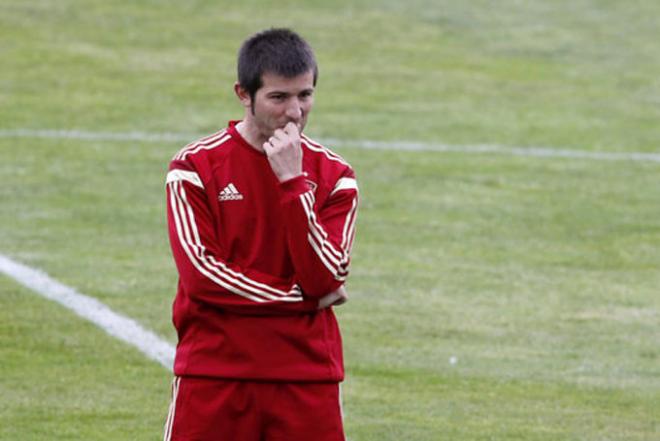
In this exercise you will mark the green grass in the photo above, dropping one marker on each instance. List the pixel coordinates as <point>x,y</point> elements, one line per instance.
<point>578,74</point>
<point>64,379</point>
<point>539,275</point>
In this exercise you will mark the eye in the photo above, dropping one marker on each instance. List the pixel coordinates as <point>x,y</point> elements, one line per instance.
<point>278,97</point>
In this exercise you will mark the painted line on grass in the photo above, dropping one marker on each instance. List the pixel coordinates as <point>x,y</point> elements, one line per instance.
<point>531,151</point>
<point>115,324</point>
<point>97,136</point>
<point>528,151</point>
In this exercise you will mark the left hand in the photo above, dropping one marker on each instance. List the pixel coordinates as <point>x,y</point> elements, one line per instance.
<point>335,298</point>
<point>284,152</point>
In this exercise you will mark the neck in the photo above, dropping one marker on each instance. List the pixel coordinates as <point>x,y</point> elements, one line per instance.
<point>251,135</point>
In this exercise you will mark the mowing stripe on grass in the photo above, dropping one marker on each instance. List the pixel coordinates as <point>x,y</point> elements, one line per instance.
<point>529,151</point>
<point>117,325</point>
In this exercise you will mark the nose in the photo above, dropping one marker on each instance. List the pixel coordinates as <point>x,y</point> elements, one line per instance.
<point>294,110</point>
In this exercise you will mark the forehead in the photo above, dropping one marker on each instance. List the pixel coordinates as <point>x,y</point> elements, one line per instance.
<point>271,82</point>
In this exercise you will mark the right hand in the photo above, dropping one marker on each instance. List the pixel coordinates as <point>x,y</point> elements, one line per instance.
<point>335,298</point>
<point>284,152</point>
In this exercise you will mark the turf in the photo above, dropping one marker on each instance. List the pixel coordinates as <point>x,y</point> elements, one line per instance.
<point>537,276</point>
<point>64,379</point>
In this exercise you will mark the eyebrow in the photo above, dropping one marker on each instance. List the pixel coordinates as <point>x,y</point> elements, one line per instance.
<point>282,92</point>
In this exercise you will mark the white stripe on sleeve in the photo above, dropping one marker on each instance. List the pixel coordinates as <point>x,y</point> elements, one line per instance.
<point>345,184</point>
<point>349,227</point>
<point>335,261</point>
<point>183,175</point>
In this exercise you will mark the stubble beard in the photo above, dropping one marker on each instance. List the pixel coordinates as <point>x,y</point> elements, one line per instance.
<point>268,128</point>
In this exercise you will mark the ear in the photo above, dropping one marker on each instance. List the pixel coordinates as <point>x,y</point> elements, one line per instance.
<point>243,95</point>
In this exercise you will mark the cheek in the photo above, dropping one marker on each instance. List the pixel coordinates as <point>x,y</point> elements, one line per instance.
<point>268,110</point>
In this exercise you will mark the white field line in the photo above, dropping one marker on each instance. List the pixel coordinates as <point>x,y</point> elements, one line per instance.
<point>97,136</point>
<point>528,151</point>
<point>115,324</point>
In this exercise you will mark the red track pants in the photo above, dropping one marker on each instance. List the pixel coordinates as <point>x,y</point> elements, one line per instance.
<point>204,409</point>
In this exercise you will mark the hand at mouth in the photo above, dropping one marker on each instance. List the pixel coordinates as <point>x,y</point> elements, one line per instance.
<point>298,124</point>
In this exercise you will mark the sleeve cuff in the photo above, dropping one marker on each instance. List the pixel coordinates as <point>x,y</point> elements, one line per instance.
<point>293,188</point>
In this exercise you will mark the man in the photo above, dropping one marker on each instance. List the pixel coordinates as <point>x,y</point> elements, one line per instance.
<point>261,222</point>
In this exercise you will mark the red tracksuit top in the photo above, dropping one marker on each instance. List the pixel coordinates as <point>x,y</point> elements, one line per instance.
<point>254,256</point>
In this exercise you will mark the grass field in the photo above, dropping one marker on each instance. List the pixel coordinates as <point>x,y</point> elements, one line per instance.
<point>539,275</point>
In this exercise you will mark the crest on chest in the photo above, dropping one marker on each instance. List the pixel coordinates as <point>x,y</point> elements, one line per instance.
<point>311,184</point>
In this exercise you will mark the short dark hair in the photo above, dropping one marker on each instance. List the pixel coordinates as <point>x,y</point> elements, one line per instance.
<point>277,50</point>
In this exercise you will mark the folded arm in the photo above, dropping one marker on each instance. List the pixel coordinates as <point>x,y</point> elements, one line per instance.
<point>205,276</point>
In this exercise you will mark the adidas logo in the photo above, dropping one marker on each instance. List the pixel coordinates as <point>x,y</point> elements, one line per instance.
<point>230,193</point>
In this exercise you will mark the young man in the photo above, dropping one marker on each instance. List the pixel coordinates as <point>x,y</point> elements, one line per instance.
<point>261,222</point>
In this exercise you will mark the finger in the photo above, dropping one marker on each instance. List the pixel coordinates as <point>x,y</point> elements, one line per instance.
<point>340,301</point>
<point>291,129</point>
<point>328,300</point>
<point>268,147</point>
<point>277,142</point>
<point>279,134</point>
<point>341,291</point>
